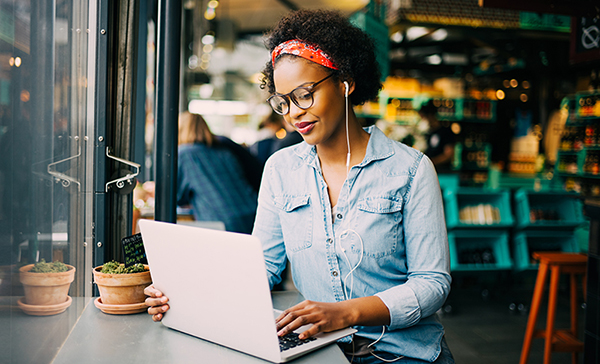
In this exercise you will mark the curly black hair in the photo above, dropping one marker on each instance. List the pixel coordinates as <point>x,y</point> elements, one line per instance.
<point>350,48</point>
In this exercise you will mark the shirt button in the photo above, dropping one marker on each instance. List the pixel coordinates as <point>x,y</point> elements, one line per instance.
<point>328,241</point>
<point>339,216</point>
<point>334,273</point>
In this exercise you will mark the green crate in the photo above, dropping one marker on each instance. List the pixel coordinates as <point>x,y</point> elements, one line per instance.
<point>448,181</point>
<point>468,249</point>
<point>548,210</point>
<point>469,208</point>
<point>527,242</point>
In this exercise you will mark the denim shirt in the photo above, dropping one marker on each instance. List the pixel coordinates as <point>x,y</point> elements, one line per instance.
<point>388,237</point>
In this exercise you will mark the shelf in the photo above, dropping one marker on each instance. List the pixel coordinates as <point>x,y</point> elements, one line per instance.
<point>484,208</point>
<point>579,175</point>
<point>473,157</point>
<point>569,152</point>
<point>547,210</point>
<point>527,242</point>
<point>448,181</point>
<point>403,110</point>
<point>479,250</point>
<point>478,111</point>
<point>587,105</point>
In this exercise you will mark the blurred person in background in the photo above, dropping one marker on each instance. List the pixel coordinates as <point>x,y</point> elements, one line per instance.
<point>269,130</point>
<point>210,177</point>
<point>274,134</point>
<point>440,139</point>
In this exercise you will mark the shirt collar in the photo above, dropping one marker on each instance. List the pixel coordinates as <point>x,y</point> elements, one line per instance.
<point>379,147</point>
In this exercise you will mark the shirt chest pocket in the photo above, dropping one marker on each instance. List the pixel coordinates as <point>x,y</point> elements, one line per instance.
<point>296,221</point>
<point>381,220</point>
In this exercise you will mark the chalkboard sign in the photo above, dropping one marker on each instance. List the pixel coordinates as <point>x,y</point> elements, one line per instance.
<point>133,250</point>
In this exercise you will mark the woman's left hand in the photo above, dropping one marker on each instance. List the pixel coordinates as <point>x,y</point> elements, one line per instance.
<point>325,317</point>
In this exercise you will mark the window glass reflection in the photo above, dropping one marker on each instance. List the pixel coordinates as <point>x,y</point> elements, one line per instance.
<point>43,155</point>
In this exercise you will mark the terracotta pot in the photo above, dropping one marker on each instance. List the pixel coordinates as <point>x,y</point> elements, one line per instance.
<point>122,289</point>
<point>46,288</point>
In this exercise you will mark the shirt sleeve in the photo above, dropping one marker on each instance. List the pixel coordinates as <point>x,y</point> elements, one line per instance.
<point>427,256</point>
<point>267,228</point>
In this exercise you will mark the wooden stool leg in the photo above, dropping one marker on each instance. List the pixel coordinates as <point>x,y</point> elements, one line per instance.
<point>538,292</point>
<point>573,305</point>
<point>552,298</point>
<point>573,284</point>
<point>584,283</point>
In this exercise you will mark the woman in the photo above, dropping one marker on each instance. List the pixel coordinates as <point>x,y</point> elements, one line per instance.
<point>358,215</point>
<point>210,177</point>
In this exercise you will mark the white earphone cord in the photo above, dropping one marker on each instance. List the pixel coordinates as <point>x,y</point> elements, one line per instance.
<point>347,134</point>
<point>349,296</point>
<point>361,242</point>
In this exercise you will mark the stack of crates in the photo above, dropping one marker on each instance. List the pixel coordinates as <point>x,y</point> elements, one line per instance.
<point>545,221</point>
<point>478,222</point>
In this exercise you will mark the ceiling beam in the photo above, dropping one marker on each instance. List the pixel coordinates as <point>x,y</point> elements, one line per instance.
<point>578,8</point>
<point>290,5</point>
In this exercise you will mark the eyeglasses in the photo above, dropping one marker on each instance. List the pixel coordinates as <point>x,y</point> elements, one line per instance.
<point>301,96</point>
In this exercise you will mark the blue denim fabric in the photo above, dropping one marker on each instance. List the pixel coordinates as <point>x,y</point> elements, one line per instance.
<point>212,180</point>
<point>389,227</point>
<point>444,358</point>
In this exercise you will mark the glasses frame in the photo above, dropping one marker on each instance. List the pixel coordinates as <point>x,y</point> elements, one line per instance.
<point>289,96</point>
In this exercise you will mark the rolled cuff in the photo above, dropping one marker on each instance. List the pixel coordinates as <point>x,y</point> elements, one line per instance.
<point>403,306</point>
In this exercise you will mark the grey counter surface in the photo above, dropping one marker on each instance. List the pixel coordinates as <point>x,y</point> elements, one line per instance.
<point>26,339</point>
<point>102,338</point>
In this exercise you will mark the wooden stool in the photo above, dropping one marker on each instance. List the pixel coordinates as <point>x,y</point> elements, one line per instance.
<point>556,340</point>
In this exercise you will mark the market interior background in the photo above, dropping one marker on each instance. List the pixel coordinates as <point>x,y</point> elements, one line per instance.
<point>500,76</point>
<point>516,81</point>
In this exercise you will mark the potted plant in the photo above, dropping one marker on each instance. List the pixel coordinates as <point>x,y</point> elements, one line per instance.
<point>121,288</point>
<point>46,287</point>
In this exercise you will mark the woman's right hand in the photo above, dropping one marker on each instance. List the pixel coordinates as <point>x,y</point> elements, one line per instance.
<point>156,302</point>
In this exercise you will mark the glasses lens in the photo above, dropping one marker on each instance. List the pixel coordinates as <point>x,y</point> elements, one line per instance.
<point>279,104</point>
<point>302,97</point>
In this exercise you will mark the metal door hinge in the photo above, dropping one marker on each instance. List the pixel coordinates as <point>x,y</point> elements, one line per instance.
<point>129,177</point>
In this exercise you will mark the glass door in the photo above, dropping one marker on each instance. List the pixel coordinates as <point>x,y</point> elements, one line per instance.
<point>46,152</point>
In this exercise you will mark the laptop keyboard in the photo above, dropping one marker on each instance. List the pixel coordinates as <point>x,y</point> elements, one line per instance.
<point>291,340</point>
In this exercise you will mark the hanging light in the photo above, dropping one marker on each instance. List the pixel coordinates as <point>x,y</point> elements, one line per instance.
<point>208,38</point>
<point>415,32</point>
<point>397,37</point>
<point>434,59</point>
<point>439,34</point>
<point>210,13</point>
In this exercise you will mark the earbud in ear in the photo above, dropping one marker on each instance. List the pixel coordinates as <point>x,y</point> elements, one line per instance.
<point>347,87</point>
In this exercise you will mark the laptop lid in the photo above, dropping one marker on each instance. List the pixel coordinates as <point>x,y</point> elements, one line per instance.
<point>218,290</point>
<point>217,285</point>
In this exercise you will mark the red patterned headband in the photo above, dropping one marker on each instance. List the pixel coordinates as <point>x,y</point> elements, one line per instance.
<point>304,50</point>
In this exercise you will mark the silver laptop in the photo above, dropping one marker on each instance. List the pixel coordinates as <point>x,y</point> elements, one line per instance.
<point>217,285</point>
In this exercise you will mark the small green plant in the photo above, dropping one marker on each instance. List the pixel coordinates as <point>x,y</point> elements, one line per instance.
<point>114,267</point>
<point>54,267</point>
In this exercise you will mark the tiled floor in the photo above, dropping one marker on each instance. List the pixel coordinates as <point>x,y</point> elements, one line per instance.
<point>485,326</point>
